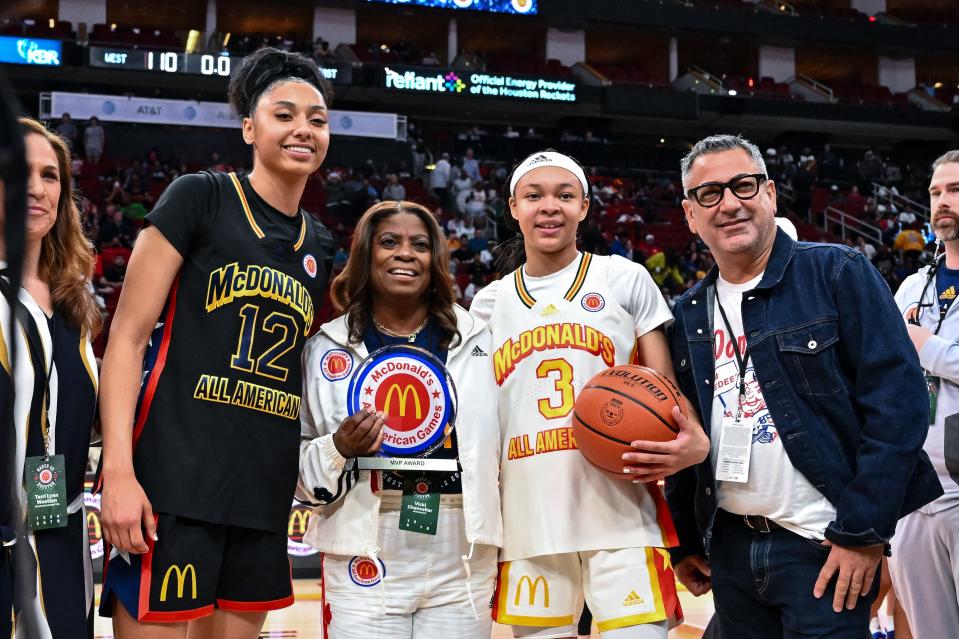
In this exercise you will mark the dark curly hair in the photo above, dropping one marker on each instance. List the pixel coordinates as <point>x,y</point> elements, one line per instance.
<point>511,254</point>
<point>267,66</point>
<point>351,291</point>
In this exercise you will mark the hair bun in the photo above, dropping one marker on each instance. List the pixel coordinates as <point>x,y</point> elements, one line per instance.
<point>266,66</point>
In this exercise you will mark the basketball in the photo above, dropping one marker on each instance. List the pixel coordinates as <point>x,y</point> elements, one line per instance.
<point>619,406</point>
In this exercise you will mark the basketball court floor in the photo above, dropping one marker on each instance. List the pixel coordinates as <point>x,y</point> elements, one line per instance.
<point>302,620</point>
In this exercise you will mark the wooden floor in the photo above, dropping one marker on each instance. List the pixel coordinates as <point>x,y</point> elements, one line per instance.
<point>302,620</point>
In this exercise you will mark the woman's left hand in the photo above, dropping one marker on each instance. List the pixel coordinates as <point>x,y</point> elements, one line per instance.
<point>653,461</point>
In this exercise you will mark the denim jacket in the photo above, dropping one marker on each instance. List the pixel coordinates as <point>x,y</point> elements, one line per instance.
<point>842,382</point>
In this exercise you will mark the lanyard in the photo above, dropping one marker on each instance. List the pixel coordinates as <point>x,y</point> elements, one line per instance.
<point>741,358</point>
<point>38,357</point>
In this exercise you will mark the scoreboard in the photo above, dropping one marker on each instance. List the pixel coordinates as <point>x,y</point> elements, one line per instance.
<point>163,61</point>
<point>173,62</point>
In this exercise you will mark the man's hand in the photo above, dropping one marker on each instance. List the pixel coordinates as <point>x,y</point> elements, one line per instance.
<point>694,573</point>
<point>918,335</point>
<point>360,434</point>
<point>125,514</point>
<point>657,460</point>
<point>856,568</point>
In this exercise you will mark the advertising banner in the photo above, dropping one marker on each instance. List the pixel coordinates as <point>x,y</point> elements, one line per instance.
<point>117,108</point>
<point>489,85</point>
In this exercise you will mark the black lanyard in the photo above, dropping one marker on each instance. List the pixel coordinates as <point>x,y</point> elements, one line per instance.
<point>930,278</point>
<point>41,384</point>
<point>741,358</point>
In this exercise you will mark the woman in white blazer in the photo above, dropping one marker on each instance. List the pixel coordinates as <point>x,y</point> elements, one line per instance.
<point>381,580</point>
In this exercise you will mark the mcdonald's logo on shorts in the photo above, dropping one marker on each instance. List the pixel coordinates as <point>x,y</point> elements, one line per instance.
<point>533,587</point>
<point>180,581</point>
<point>415,395</point>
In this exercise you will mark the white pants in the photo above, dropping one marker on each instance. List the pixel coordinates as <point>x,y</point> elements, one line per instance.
<point>924,567</point>
<point>419,589</point>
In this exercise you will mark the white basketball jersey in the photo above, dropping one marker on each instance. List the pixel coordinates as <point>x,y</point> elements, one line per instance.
<point>550,336</point>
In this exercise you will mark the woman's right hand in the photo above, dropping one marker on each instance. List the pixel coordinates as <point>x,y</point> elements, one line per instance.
<point>126,515</point>
<point>360,434</point>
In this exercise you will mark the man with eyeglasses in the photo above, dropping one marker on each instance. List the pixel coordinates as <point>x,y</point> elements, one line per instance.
<point>925,561</point>
<point>798,361</point>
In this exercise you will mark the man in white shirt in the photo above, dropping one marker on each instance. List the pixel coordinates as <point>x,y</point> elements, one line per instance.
<point>796,356</point>
<point>925,561</point>
<point>440,178</point>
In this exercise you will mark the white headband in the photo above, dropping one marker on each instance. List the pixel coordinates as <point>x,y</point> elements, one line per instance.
<point>549,158</point>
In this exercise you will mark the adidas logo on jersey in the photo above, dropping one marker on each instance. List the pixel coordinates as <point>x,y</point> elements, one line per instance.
<point>478,352</point>
<point>550,310</point>
<point>948,294</point>
<point>633,599</point>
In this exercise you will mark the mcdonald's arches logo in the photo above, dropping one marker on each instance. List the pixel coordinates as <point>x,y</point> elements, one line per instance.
<point>403,401</point>
<point>181,576</point>
<point>364,573</point>
<point>91,504</point>
<point>412,389</point>
<point>335,364</point>
<point>533,585</point>
<point>296,527</point>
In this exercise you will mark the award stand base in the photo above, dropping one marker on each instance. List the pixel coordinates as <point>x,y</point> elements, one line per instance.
<point>406,463</point>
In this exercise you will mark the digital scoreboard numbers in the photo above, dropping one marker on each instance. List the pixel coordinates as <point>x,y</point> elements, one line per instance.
<point>163,61</point>
<point>207,64</point>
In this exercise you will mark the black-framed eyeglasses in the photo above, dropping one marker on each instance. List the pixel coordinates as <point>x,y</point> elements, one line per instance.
<point>744,187</point>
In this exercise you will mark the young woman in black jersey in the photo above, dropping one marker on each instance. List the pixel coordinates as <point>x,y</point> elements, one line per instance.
<point>381,577</point>
<point>55,385</point>
<point>199,460</point>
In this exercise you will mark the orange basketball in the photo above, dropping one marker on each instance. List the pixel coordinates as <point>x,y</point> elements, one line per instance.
<point>619,406</point>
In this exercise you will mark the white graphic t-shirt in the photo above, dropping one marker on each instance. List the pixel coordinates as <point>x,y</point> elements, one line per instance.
<point>775,489</point>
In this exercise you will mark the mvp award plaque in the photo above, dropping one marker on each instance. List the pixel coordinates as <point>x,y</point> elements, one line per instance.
<point>415,392</point>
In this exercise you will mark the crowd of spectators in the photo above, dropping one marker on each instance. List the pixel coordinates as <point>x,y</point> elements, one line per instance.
<point>638,216</point>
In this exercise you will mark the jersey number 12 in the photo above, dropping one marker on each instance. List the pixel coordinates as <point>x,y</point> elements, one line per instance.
<point>283,329</point>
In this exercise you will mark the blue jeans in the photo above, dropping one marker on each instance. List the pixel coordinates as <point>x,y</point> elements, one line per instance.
<point>763,583</point>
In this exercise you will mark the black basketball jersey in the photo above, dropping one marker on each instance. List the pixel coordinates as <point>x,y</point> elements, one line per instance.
<point>217,429</point>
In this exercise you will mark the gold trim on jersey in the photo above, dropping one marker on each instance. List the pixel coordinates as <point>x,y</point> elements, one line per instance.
<point>580,277</point>
<point>524,296</point>
<point>86,364</point>
<point>4,355</point>
<point>249,215</point>
<point>299,241</point>
<point>529,301</point>
<point>246,206</point>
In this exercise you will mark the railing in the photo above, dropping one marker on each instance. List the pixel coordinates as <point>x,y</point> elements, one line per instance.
<point>786,191</point>
<point>817,85</point>
<point>713,81</point>
<point>849,223</point>
<point>901,202</point>
<point>787,197</point>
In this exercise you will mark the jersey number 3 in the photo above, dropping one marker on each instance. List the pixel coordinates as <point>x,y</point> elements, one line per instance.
<point>283,329</point>
<point>563,384</point>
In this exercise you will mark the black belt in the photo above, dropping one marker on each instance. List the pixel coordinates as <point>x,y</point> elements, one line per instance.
<point>756,523</point>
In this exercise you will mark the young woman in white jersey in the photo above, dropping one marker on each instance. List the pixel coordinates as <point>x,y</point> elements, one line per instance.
<point>570,531</point>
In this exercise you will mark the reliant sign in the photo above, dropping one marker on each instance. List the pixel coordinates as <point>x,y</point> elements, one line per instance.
<point>479,84</point>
